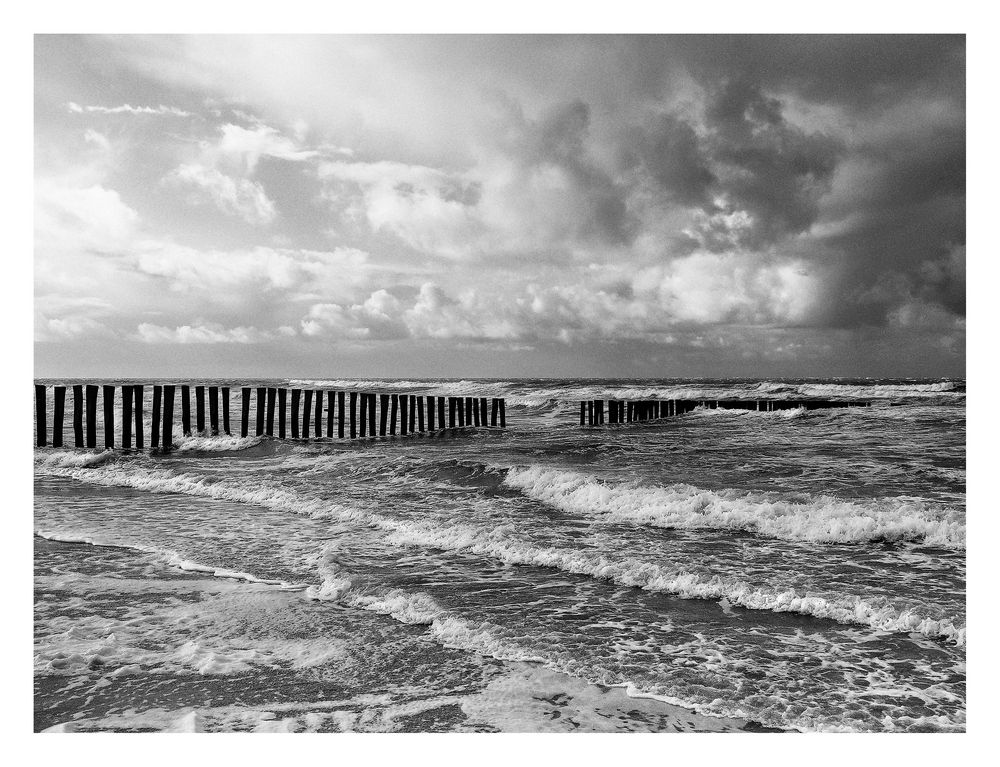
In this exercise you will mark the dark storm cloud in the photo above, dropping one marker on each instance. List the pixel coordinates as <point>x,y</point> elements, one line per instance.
<point>669,150</point>
<point>773,170</point>
<point>879,191</point>
<point>558,138</point>
<point>853,71</point>
<point>787,191</point>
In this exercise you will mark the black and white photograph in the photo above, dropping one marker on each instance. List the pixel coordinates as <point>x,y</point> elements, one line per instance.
<point>492,382</point>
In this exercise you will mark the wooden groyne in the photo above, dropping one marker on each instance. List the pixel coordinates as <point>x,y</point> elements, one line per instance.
<point>350,414</point>
<point>634,411</point>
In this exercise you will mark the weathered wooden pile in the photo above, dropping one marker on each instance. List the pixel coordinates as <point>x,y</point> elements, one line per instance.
<point>633,411</point>
<point>313,414</point>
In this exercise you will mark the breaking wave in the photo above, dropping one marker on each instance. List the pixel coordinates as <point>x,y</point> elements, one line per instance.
<point>502,543</point>
<point>822,519</point>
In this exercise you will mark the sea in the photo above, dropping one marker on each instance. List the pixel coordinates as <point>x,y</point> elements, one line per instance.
<point>723,570</point>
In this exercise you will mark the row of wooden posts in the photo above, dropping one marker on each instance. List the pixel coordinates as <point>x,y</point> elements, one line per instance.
<point>628,411</point>
<point>354,413</point>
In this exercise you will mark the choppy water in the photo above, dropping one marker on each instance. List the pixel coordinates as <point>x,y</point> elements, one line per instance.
<point>722,570</point>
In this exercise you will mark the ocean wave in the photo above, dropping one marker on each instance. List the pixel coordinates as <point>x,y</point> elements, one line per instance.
<point>788,414</point>
<point>219,443</point>
<point>171,558</point>
<point>501,543</point>
<point>72,459</point>
<point>432,386</point>
<point>822,519</point>
<point>491,640</point>
<point>845,608</point>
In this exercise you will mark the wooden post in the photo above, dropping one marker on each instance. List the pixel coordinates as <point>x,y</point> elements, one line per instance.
<point>186,410</point>
<point>440,403</point>
<point>329,414</point>
<point>213,409</point>
<point>269,424</point>
<point>78,415</point>
<point>430,412</point>
<point>468,411</point>
<point>383,401</point>
<point>199,408</point>
<point>91,416</point>
<point>282,399</point>
<point>245,425</point>
<point>451,412</point>
<point>482,410</point>
<point>493,412</point>
<point>109,417</point>
<point>600,412</point>
<point>413,414</point>
<point>318,419</point>
<point>58,415</point>
<point>296,393</point>
<point>137,396</point>
<point>475,412</point>
<point>306,413</point>
<point>40,427</point>
<point>126,417</point>
<point>404,402</point>
<point>154,426</point>
<point>354,415</point>
<point>225,409</point>
<point>371,414</point>
<point>394,406</point>
<point>363,414</point>
<point>341,397</point>
<point>261,396</point>
<point>503,413</point>
<point>168,417</point>
<point>590,412</point>
<point>420,413</point>
<point>583,412</point>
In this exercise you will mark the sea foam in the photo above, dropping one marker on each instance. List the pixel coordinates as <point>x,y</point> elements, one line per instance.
<point>502,543</point>
<point>822,519</point>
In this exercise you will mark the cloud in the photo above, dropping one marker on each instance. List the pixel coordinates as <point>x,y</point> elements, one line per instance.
<point>655,304</point>
<point>72,218</point>
<point>200,334</point>
<point>428,209</point>
<point>249,145</point>
<point>253,272</point>
<point>98,139</point>
<point>127,109</point>
<point>235,196</point>
<point>790,192</point>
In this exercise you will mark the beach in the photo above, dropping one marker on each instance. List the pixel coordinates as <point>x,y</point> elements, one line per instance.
<point>725,570</point>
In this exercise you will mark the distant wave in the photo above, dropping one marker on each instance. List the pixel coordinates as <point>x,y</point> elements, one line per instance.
<point>534,393</point>
<point>502,543</point>
<point>822,519</point>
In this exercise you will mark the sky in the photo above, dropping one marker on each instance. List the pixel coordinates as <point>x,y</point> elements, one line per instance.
<point>499,206</point>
